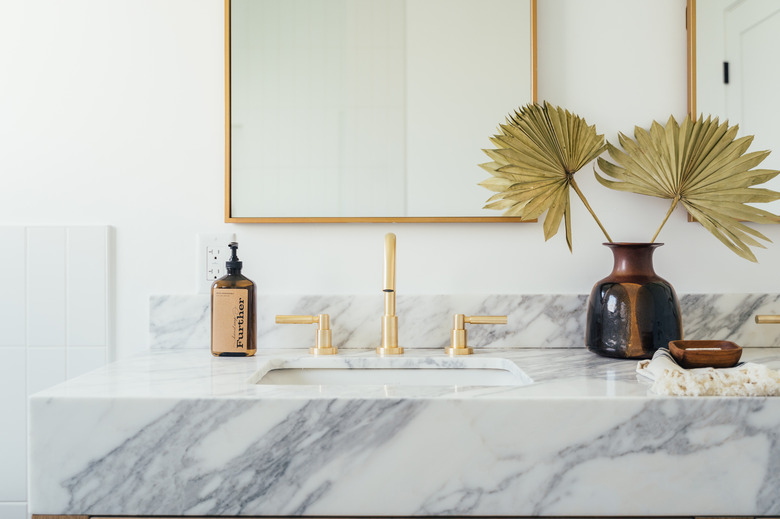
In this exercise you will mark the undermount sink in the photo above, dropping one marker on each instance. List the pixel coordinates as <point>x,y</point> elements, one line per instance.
<point>394,372</point>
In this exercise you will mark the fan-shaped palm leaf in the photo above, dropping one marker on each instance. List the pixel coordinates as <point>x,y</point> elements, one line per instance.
<point>537,153</point>
<point>702,165</point>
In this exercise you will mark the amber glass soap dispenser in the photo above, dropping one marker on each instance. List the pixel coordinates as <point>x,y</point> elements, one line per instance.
<point>233,323</point>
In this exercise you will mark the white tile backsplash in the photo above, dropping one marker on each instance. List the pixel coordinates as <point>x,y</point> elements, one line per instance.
<point>12,296</point>
<point>86,282</point>
<point>13,510</point>
<point>13,426</point>
<point>45,368</point>
<point>84,359</point>
<point>55,319</point>
<point>46,286</point>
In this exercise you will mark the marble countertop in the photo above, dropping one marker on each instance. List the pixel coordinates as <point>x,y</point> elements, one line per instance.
<point>197,374</point>
<point>183,433</point>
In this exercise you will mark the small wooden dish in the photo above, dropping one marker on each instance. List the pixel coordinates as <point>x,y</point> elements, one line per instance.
<point>705,354</point>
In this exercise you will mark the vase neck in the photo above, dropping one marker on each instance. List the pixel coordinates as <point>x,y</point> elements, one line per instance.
<point>633,258</point>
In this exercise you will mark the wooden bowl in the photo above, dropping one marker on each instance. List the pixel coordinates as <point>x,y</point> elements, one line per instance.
<point>705,354</point>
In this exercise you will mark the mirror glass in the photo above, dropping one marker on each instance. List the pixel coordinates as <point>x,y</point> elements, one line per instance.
<point>364,110</point>
<point>732,77</point>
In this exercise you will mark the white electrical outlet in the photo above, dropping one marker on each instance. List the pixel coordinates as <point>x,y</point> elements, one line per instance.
<point>213,252</point>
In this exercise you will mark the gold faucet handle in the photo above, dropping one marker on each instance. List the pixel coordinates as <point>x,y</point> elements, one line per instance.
<point>458,344</point>
<point>768,319</point>
<point>322,344</point>
<point>485,319</point>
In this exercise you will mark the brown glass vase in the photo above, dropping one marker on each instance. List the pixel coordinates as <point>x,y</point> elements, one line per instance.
<point>633,311</point>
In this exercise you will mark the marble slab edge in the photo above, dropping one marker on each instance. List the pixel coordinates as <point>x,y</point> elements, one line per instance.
<point>405,457</point>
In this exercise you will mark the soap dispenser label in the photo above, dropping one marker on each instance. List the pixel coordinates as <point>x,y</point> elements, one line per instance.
<point>230,321</point>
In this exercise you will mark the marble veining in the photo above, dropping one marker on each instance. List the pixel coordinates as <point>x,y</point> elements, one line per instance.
<point>179,321</point>
<point>731,317</point>
<point>632,445</point>
<point>425,321</point>
<point>183,433</point>
<point>287,468</point>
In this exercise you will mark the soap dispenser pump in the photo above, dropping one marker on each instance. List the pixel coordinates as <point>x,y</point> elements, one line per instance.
<point>233,322</point>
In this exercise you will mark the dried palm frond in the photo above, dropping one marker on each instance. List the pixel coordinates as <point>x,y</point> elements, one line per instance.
<point>539,150</point>
<point>702,165</point>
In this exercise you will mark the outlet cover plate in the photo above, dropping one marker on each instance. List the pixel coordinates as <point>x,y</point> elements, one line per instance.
<point>213,252</point>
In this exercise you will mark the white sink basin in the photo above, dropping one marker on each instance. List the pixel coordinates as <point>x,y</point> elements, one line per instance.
<point>395,372</point>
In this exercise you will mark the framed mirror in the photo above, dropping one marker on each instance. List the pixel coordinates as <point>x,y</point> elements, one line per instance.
<point>369,110</point>
<point>733,72</point>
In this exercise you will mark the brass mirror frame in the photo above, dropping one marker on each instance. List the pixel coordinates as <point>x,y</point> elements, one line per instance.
<point>690,25</point>
<point>401,219</point>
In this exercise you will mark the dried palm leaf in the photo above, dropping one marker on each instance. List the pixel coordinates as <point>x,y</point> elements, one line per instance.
<point>539,150</point>
<point>703,166</point>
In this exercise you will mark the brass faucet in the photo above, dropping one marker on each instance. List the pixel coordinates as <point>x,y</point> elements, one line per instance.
<point>323,343</point>
<point>389,319</point>
<point>458,345</point>
<point>768,319</point>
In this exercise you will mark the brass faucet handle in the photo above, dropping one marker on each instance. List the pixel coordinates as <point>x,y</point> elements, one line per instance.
<point>768,319</point>
<point>458,344</point>
<point>323,345</point>
<point>297,319</point>
<point>485,319</point>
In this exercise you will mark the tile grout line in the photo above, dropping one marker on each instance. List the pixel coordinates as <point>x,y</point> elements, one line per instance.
<point>106,303</point>
<point>26,367</point>
<point>66,261</point>
<point>25,275</point>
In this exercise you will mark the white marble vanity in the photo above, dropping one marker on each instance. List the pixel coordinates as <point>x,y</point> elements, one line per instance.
<point>179,432</point>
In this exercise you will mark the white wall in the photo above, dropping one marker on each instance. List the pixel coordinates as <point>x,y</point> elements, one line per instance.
<point>111,112</point>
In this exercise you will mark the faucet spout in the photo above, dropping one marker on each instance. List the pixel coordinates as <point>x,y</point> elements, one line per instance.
<point>389,319</point>
<point>389,281</point>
